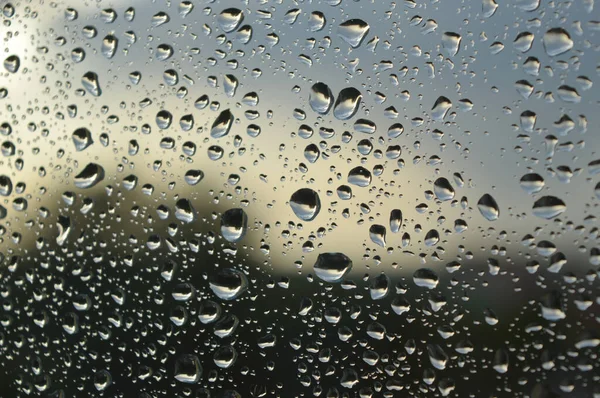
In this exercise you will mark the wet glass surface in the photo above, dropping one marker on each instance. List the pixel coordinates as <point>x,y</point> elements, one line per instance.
<point>333,198</point>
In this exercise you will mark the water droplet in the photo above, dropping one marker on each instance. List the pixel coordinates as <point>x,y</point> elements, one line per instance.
<point>306,204</point>
<point>228,284</point>
<point>222,124</point>
<point>443,189</point>
<point>532,183</point>
<point>488,207</point>
<point>82,138</point>
<point>12,63</point>
<point>425,277</point>
<point>316,21</point>
<point>440,108</point>
<point>557,41</point>
<point>234,223</point>
<point>379,287</point>
<point>451,43</point>
<point>160,18</point>
<point>102,380</point>
<point>109,46</point>
<point>164,52</point>
<point>320,98</point>
<point>225,356</point>
<point>437,356</point>
<point>377,234</point>
<point>353,31</point>
<point>347,103</point>
<point>549,207</point>
<point>230,85</point>
<point>359,176</point>
<point>229,19</point>
<point>91,83</point>
<point>164,119</point>
<point>188,369</point>
<point>332,267</point>
<point>91,175</point>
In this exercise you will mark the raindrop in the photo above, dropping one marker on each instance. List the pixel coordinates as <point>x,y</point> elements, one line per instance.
<point>234,223</point>
<point>353,31</point>
<point>488,207</point>
<point>228,284</point>
<point>305,204</point>
<point>332,267</point>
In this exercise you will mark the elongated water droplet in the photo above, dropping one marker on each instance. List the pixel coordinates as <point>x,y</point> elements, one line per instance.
<point>222,124</point>
<point>347,103</point>
<point>91,83</point>
<point>91,175</point>
<point>234,223</point>
<point>488,207</point>
<point>320,98</point>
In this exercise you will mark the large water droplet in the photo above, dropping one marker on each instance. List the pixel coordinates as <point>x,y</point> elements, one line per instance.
<point>109,46</point>
<point>222,124</point>
<point>12,63</point>
<point>425,277</point>
<point>332,267</point>
<point>306,204</point>
<point>91,175</point>
<point>451,43</point>
<point>228,284</point>
<point>549,207</point>
<point>188,369</point>
<point>440,108</point>
<point>320,98</point>
<point>359,176</point>
<point>234,223</point>
<point>347,103</point>
<point>82,138</point>
<point>91,83</point>
<point>557,41</point>
<point>443,189</point>
<point>229,19</point>
<point>488,207</point>
<point>353,31</point>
